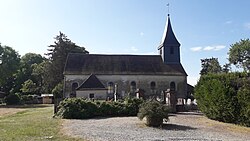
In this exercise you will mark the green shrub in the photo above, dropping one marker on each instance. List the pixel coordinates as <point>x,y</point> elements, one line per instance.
<point>132,105</point>
<point>154,112</point>
<point>224,97</point>
<point>58,91</point>
<point>76,108</point>
<point>243,96</point>
<point>12,99</point>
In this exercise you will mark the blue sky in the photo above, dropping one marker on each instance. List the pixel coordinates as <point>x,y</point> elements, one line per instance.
<point>204,28</point>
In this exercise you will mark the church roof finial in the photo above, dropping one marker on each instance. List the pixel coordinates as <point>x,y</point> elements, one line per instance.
<point>168,9</point>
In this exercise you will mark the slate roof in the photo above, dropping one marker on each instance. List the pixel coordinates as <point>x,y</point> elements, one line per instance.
<point>168,37</point>
<point>78,63</point>
<point>91,83</point>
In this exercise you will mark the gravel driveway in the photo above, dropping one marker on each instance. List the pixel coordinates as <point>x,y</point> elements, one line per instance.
<point>181,127</point>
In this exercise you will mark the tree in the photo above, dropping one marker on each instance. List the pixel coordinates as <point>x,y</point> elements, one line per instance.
<point>58,55</point>
<point>226,68</point>
<point>239,54</point>
<point>25,71</point>
<point>29,87</point>
<point>41,73</point>
<point>210,65</point>
<point>9,64</point>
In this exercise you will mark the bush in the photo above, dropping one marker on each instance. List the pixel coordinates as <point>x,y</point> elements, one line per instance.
<point>12,99</point>
<point>224,97</point>
<point>78,108</point>
<point>58,91</point>
<point>154,112</point>
<point>243,96</point>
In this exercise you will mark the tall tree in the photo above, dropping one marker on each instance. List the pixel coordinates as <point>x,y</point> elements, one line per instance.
<point>41,73</point>
<point>9,64</point>
<point>24,73</point>
<point>210,65</point>
<point>58,55</point>
<point>239,54</point>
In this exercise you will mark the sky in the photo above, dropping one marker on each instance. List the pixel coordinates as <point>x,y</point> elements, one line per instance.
<point>204,28</point>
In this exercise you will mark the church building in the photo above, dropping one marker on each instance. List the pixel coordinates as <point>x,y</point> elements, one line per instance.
<point>102,76</point>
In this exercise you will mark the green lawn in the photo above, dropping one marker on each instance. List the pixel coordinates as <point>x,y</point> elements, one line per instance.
<point>32,124</point>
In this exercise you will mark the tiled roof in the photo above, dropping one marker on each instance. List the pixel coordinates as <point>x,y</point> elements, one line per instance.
<point>78,63</point>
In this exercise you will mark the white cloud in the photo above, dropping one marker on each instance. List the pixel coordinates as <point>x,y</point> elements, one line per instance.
<point>134,49</point>
<point>142,34</point>
<point>219,47</point>
<point>247,26</point>
<point>208,48</point>
<point>196,49</point>
<point>228,22</point>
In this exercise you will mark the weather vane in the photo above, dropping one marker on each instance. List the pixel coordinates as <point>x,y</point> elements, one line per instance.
<point>168,8</point>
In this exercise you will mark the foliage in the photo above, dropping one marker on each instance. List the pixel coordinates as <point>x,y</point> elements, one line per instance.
<point>224,97</point>
<point>154,112</point>
<point>243,96</point>
<point>58,91</point>
<point>210,65</point>
<point>9,64</point>
<point>76,108</point>
<point>41,74</point>
<point>239,54</point>
<point>12,99</point>
<point>80,108</point>
<point>58,54</point>
<point>30,99</point>
<point>29,87</point>
<point>133,105</point>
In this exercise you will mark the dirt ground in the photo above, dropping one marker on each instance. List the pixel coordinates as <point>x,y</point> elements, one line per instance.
<point>9,111</point>
<point>182,126</point>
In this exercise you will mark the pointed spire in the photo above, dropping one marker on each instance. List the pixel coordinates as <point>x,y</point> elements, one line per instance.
<point>168,37</point>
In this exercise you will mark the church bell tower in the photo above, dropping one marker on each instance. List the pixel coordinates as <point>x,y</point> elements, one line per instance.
<point>169,48</point>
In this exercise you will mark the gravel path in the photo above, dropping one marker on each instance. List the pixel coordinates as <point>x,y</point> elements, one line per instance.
<point>181,127</point>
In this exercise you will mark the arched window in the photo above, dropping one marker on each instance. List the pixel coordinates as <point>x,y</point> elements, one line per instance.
<point>74,86</point>
<point>152,85</point>
<point>132,86</point>
<point>110,88</point>
<point>172,86</point>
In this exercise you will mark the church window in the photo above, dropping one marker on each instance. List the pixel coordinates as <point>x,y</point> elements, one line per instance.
<point>133,86</point>
<point>91,95</point>
<point>74,86</point>
<point>152,85</point>
<point>110,88</point>
<point>172,86</point>
<point>171,50</point>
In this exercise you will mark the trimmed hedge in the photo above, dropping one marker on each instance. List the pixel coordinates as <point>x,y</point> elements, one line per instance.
<point>79,108</point>
<point>225,97</point>
<point>12,99</point>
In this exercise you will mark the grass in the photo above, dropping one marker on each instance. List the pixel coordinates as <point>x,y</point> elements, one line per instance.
<point>32,124</point>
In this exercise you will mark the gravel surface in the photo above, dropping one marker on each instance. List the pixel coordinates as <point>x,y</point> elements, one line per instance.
<point>181,127</point>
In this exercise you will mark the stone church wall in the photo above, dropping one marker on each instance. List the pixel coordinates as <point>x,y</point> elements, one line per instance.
<point>124,83</point>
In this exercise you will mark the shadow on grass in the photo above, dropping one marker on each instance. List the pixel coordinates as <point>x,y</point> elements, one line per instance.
<point>27,106</point>
<point>177,127</point>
